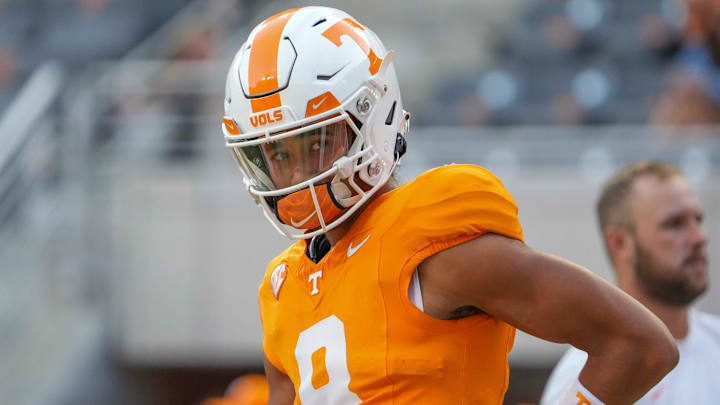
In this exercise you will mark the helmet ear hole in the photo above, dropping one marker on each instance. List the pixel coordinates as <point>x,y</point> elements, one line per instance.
<point>400,146</point>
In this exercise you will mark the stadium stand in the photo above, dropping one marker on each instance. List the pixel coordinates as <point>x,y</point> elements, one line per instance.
<point>575,62</point>
<point>125,275</point>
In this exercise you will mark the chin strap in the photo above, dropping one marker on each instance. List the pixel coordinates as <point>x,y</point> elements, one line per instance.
<point>342,194</point>
<point>318,247</point>
<point>340,191</point>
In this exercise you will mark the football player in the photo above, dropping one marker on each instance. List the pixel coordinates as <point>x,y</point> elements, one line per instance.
<point>405,294</point>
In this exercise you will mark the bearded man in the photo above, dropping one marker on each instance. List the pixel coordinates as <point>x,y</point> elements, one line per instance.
<point>651,222</point>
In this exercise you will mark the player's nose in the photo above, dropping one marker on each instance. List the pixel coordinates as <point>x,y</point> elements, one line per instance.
<point>298,175</point>
<point>698,237</point>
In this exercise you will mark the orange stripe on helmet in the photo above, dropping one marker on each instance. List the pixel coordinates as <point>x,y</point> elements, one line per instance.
<point>265,103</point>
<point>346,27</point>
<point>262,72</point>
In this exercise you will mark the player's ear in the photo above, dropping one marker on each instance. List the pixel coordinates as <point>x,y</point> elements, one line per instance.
<point>620,243</point>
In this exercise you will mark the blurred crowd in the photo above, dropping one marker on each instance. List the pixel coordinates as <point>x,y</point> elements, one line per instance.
<point>692,93</point>
<point>76,32</point>
<point>589,62</point>
<point>565,62</point>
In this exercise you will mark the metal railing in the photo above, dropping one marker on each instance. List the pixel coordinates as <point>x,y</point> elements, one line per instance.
<point>29,120</point>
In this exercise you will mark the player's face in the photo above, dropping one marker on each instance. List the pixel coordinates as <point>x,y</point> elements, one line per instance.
<point>304,156</point>
<point>670,260</point>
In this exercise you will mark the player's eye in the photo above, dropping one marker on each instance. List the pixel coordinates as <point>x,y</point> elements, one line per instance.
<point>279,157</point>
<point>674,223</point>
<point>315,142</point>
<point>317,146</point>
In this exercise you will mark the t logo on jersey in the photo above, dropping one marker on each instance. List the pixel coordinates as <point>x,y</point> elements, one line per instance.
<point>277,278</point>
<point>313,278</point>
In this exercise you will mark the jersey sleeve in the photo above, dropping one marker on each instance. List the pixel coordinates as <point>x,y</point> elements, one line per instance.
<point>266,304</point>
<point>461,200</point>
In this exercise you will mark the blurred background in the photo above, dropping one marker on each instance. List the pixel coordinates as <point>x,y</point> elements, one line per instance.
<point>130,254</point>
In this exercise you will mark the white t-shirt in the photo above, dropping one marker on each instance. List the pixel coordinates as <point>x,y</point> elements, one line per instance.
<point>695,380</point>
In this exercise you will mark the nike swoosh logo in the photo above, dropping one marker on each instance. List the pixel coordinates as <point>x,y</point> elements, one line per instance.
<point>319,103</point>
<point>328,77</point>
<point>302,222</point>
<point>352,249</point>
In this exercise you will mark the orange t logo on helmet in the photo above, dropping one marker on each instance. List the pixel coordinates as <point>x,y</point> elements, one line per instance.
<point>345,27</point>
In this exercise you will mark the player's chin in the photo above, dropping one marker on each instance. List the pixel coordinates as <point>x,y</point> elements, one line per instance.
<point>695,273</point>
<point>696,265</point>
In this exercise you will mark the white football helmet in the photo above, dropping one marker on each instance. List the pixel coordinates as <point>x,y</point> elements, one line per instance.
<point>313,118</point>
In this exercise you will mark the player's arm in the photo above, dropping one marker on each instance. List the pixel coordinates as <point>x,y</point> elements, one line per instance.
<point>629,349</point>
<point>282,391</point>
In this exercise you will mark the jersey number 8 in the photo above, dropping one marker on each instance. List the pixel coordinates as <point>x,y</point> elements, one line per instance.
<point>321,355</point>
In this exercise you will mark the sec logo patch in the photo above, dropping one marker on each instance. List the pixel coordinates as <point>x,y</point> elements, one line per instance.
<point>278,278</point>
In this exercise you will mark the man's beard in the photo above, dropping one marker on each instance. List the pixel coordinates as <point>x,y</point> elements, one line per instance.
<point>668,285</point>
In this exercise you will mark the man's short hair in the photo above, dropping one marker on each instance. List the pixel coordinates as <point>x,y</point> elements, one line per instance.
<point>613,202</point>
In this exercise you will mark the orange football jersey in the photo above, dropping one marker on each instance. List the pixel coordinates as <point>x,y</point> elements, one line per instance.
<point>344,329</point>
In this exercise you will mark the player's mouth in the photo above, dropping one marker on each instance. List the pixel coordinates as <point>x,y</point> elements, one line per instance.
<point>696,262</point>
